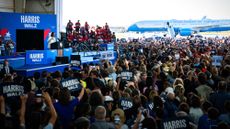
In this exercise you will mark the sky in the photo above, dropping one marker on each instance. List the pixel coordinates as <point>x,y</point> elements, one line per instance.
<point>124,13</point>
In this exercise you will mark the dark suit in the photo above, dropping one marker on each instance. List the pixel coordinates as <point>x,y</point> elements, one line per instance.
<point>3,71</point>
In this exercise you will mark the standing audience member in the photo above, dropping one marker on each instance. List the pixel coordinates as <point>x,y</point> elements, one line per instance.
<point>7,69</point>
<point>100,123</point>
<point>203,120</point>
<point>220,96</point>
<point>66,105</point>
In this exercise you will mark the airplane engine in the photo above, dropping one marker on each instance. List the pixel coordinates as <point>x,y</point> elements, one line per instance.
<point>185,31</point>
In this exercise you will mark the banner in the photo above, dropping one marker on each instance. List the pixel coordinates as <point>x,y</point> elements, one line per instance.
<point>36,57</point>
<point>11,90</point>
<point>10,22</point>
<point>71,84</point>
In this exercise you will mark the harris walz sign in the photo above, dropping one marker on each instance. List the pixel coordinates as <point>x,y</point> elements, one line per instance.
<point>176,123</point>
<point>71,84</point>
<point>11,90</point>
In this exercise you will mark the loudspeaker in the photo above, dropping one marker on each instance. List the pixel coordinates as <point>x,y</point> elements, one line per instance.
<point>62,60</point>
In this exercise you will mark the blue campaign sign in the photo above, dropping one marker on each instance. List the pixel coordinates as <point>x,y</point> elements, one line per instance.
<point>71,84</point>
<point>107,46</point>
<point>110,46</point>
<point>126,75</point>
<point>40,56</point>
<point>51,56</point>
<point>36,57</point>
<point>216,60</point>
<point>10,22</point>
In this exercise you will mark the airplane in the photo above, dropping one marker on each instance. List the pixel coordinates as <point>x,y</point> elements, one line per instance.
<point>181,27</point>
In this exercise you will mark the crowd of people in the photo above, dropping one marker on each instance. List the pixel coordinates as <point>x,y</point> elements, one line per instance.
<point>163,84</point>
<point>89,36</point>
<point>6,45</point>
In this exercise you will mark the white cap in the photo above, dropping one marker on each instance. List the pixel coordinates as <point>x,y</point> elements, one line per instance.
<point>108,99</point>
<point>169,90</point>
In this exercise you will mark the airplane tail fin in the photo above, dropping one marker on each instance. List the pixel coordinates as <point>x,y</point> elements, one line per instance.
<point>204,17</point>
<point>171,30</point>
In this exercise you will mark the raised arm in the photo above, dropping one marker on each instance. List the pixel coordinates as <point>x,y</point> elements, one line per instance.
<point>52,109</point>
<point>23,110</point>
<point>137,121</point>
<point>2,104</point>
<point>81,93</point>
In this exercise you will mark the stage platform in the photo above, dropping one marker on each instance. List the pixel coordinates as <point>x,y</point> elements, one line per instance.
<point>46,60</point>
<point>28,71</point>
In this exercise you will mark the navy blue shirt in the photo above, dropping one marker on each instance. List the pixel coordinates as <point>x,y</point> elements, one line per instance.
<point>66,112</point>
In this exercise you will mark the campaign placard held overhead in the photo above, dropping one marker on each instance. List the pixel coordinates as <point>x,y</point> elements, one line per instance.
<point>126,75</point>
<point>176,123</point>
<point>71,84</point>
<point>11,90</point>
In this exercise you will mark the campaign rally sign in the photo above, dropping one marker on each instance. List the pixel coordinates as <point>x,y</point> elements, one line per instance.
<point>105,46</point>
<point>36,57</point>
<point>110,46</point>
<point>216,60</point>
<point>110,55</point>
<point>107,55</point>
<point>103,54</point>
<point>10,22</point>
<point>71,84</point>
<point>11,90</point>
<point>176,123</point>
<point>126,75</point>
<point>125,103</point>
